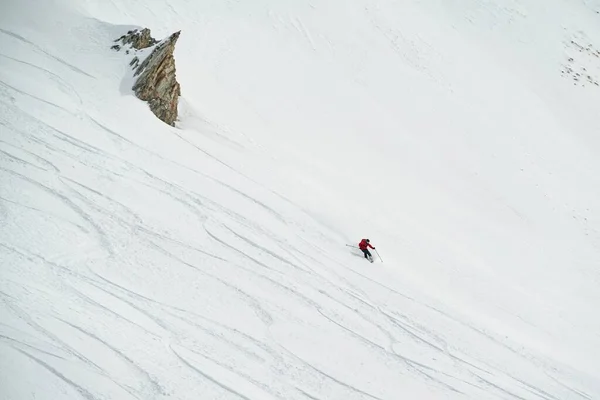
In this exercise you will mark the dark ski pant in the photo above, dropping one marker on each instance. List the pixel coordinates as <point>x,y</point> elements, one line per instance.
<point>367,253</point>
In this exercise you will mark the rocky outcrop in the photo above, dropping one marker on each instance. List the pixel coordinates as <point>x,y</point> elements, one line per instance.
<point>157,83</point>
<point>137,39</point>
<point>155,80</point>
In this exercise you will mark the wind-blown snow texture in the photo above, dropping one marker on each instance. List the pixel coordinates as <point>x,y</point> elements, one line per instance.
<point>141,261</point>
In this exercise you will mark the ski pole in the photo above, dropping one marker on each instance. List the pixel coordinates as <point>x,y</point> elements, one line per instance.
<point>349,245</point>
<point>378,255</point>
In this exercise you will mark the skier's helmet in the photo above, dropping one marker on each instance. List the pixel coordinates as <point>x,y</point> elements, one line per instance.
<point>368,241</point>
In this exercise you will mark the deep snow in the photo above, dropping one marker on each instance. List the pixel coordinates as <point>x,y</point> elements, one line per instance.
<point>140,261</point>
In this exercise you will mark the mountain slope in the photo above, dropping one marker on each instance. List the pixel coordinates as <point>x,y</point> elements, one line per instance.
<point>144,261</point>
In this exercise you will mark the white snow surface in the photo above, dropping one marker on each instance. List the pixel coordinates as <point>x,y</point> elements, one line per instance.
<point>209,260</point>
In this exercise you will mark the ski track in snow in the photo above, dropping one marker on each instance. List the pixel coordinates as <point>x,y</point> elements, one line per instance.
<point>146,275</point>
<point>90,213</point>
<point>266,265</point>
<point>38,48</point>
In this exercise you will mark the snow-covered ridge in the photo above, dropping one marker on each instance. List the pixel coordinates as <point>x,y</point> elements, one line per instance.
<point>144,261</point>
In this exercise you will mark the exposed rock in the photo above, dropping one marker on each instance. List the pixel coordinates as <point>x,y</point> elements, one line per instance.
<point>156,82</point>
<point>137,39</point>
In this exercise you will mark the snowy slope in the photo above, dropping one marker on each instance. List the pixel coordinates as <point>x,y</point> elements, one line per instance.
<point>140,261</point>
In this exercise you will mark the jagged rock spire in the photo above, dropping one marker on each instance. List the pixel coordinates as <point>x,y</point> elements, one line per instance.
<point>156,82</point>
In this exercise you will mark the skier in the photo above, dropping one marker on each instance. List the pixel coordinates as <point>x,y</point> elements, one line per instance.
<point>364,245</point>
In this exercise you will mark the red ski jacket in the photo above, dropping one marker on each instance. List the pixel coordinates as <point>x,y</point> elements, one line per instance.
<point>364,244</point>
